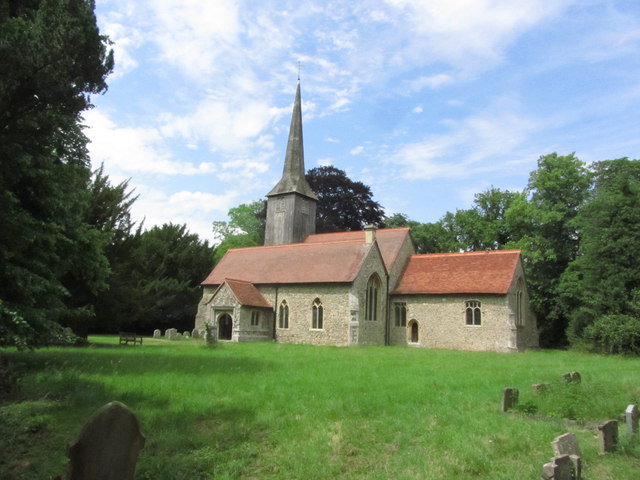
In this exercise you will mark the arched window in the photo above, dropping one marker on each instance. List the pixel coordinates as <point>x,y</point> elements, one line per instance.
<point>520,304</point>
<point>371,301</point>
<point>317,314</point>
<point>401,314</point>
<point>473,312</point>
<point>283,315</point>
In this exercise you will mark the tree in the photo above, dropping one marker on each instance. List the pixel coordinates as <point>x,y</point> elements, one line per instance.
<point>604,280</point>
<point>541,221</point>
<point>245,227</point>
<point>343,204</point>
<point>428,237</point>
<point>53,58</point>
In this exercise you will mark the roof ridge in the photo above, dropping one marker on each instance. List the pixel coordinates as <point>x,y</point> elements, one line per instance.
<point>474,252</point>
<point>297,244</point>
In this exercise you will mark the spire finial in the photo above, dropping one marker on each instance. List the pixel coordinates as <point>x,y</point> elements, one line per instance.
<point>300,64</point>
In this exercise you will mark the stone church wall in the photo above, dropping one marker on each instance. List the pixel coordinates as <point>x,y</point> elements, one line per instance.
<point>442,322</point>
<point>397,268</point>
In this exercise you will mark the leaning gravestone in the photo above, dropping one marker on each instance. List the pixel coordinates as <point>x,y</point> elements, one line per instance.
<point>608,433</point>
<point>631,417</point>
<point>567,444</point>
<point>171,334</point>
<point>157,333</point>
<point>108,445</point>
<point>560,468</point>
<point>509,398</point>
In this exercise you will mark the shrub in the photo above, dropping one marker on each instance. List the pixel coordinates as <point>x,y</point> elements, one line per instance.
<point>615,334</point>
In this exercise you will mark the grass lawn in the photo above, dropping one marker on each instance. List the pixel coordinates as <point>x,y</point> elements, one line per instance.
<point>270,411</point>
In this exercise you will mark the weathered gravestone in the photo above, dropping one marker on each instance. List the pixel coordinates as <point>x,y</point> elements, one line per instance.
<point>539,387</point>
<point>567,444</point>
<point>178,336</point>
<point>631,417</point>
<point>108,445</point>
<point>559,468</point>
<point>195,333</point>
<point>509,398</point>
<point>572,377</point>
<point>186,335</point>
<point>171,334</point>
<point>157,333</point>
<point>608,433</point>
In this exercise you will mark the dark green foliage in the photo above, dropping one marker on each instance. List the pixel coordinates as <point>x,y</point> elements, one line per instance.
<point>604,281</point>
<point>157,284</point>
<point>614,334</point>
<point>53,58</point>
<point>343,204</point>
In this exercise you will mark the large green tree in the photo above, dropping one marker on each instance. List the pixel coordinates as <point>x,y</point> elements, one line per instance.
<point>245,227</point>
<point>53,59</point>
<point>604,280</point>
<point>542,222</point>
<point>343,204</point>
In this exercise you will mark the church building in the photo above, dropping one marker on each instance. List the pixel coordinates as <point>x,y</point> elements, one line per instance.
<point>364,287</point>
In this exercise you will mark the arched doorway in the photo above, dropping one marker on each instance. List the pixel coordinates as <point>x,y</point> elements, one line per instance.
<point>225,326</point>
<point>413,331</point>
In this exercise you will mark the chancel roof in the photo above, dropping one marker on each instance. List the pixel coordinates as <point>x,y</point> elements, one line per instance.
<point>321,262</point>
<point>390,241</point>
<point>247,294</point>
<point>470,272</point>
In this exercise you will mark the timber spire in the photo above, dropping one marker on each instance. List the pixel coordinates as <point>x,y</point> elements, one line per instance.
<point>291,205</point>
<point>293,179</point>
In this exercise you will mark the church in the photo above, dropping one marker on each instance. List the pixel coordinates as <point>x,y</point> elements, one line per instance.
<point>364,287</point>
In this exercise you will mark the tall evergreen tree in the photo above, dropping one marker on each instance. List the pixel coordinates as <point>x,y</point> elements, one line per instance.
<point>53,59</point>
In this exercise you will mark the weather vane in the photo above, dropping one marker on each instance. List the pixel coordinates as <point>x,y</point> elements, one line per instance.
<point>300,64</point>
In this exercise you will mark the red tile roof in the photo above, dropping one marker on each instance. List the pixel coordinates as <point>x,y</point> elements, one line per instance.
<point>470,272</point>
<point>390,240</point>
<point>327,262</point>
<point>247,294</point>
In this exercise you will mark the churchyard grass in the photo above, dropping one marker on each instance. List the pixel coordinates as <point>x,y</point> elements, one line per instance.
<point>270,411</point>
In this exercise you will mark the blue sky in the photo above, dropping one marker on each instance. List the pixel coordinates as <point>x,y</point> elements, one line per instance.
<point>426,101</point>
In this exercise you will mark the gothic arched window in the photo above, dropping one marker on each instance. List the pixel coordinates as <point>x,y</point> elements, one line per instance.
<point>283,315</point>
<point>317,315</point>
<point>473,312</point>
<point>371,300</point>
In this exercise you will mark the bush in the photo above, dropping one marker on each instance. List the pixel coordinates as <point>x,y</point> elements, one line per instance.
<point>615,334</point>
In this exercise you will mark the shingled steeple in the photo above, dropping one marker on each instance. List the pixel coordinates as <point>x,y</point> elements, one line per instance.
<point>291,204</point>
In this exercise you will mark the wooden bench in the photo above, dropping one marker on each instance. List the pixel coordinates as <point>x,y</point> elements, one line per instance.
<point>126,337</point>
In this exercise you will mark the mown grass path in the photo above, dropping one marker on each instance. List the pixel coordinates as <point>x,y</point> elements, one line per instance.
<point>270,411</point>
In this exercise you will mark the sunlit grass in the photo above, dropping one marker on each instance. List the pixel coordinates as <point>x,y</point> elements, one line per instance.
<point>292,411</point>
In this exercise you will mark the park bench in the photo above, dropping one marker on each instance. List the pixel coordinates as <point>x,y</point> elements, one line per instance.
<point>126,337</point>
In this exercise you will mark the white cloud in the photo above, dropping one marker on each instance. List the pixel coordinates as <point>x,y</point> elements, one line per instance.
<point>432,82</point>
<point>417,109</point>
<point>356,150</point>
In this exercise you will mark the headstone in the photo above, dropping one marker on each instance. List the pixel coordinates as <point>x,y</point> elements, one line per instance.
<point>509,398</point>
<point>157,333</point>
<point>108,445</point>
<point>608,433</point>
<point>195,333</point>
<point>171,334</point>
<point>539,387</point>
<point>631,416</point>
<point>559,468</point>
<point>572,377</point>
<point>186,334</point>
<point>178,336</point>
<point>566,444</point>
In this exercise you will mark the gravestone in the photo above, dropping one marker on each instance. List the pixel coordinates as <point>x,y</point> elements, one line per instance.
<point>559,468</point>
<point>171,334</point>
<point>567,444</point>
<point>572,377</point>
<point>178,336</point>
<point>631,417</point>
<point>186,334</point>
<point>157,333</point>
<point>509,398</point>
<point>539,387</point>
<point>108,445</point>
<point>608,433</point>
<point>195,333</point>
